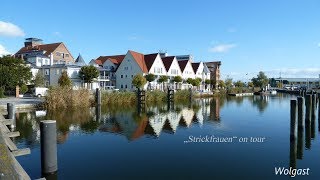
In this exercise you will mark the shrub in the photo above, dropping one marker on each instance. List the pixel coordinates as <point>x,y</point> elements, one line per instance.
<point>64,97</point>
<point>1,92</point>
<point>23,89</point>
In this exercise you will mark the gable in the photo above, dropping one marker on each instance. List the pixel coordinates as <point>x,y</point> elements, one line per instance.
<point>158,64</point>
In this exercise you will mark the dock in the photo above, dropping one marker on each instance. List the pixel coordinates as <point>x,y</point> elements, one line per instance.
<point>9,166</point>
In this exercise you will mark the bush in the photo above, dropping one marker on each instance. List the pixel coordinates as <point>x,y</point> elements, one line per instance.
<point>64,97</point>
<point>23,89</point>
<point>1,92</point>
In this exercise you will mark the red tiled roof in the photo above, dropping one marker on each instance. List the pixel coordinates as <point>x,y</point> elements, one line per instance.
<point>116,59</point>
<point>140,60</point>
<point>167,61</point>
<point>183,64</point>
<point>49,48</point>
<point>149,59</point>
<point>195,66</point>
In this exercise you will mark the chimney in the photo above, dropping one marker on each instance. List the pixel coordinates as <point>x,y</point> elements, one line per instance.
<point>51,59</point>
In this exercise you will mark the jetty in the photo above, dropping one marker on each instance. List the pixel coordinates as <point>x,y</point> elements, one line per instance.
<point>9,166</point>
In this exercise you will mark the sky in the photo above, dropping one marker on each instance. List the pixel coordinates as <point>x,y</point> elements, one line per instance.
<point>247,36</point>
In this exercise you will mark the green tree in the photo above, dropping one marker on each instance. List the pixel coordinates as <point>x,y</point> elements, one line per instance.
<point>261,80</point>
<point>13,72</point>
<point>196,82</point>
<point>250,84</point>
<point>177,79</point>
<point>222,84</point>
<point>139,81</point>
<point>23,88</point>
<point>39,79</point>
<point>207,81</point>
<point>88,73</point>
<point>163,79</point>
<point>239,84</point>
<point>189,80</point>
<point>150,77</point>
<point>64,80</point>
<point>228,82</point>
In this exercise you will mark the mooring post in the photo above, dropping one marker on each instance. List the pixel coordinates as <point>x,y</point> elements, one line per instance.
<point>98,113</point>
<point>10,110</point>
<point>11,115</point>
<point>48,140</point>
<point>98,96</point>
<point>293,119</point>
<point>300,112</point>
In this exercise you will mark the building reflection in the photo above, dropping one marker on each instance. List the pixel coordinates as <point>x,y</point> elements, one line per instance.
<point>127,122</point>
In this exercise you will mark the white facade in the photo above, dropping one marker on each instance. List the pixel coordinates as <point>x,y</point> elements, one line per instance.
<point>157,69</point>
<point>188,71</point>
<point>174,69</point>
<point>126,71</point>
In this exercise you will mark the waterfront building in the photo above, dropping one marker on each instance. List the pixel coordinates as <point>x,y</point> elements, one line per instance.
<point>201,71</point>
<point>107,66</point>
<point>297,82</point>
<point>58,53</point>
<point>214,68</point>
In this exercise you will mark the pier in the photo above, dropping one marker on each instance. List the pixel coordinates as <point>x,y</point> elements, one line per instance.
<point>9,166</point>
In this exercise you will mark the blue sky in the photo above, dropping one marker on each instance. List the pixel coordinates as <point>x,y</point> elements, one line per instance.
<point>247,36</point>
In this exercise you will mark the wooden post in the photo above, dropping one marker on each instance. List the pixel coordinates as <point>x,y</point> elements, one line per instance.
<point>293,144</point>
<point>98,113</point>
<point>98,96</point>
<point>300,112</point>
<point>293,119</point>
<point>11,115</point>
<point>48,140</point>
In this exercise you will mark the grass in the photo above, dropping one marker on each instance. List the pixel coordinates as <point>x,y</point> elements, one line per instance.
<point>66,98</point>
<point>130,98</point>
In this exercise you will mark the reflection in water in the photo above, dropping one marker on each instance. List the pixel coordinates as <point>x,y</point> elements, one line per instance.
<point>296,146</point>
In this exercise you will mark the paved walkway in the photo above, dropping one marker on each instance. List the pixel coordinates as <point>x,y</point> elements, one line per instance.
<point>20,103</point>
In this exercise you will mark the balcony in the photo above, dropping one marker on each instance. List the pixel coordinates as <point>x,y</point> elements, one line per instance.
<point>103,78</point>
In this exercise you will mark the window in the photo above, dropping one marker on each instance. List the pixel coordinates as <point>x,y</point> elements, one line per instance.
<point>47,62</point>
<point>47,71</point>
<point>121,76</point>
<point>121,86</point>
<point>58,54</point>
<point>126,86</point>
<point>39,60</point>
<point>67,55</point>
<point>126,68</point>
<point>57,71</point>
<point>126,76</point>
<point>132,76</point>
<point>47,83</point>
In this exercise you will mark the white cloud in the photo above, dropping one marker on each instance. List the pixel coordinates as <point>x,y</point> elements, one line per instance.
<point>222,48</point>
<point>56,33</point>
<point>9,29</point>
<point>318,44</point>
<point>3,51</point>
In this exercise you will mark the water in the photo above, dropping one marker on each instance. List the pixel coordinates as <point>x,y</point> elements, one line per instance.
<point>120,143</point>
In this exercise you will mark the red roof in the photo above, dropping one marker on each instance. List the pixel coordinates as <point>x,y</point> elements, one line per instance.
<point>49,48</point>
<point>140,60</point>
<point>167,61</point>
<point>195,66</point>
<point>149,59</point>
<point>116,59</point>
<point>183,64</point>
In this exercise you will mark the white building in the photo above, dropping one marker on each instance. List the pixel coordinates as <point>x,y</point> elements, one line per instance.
<point>136,63</point>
